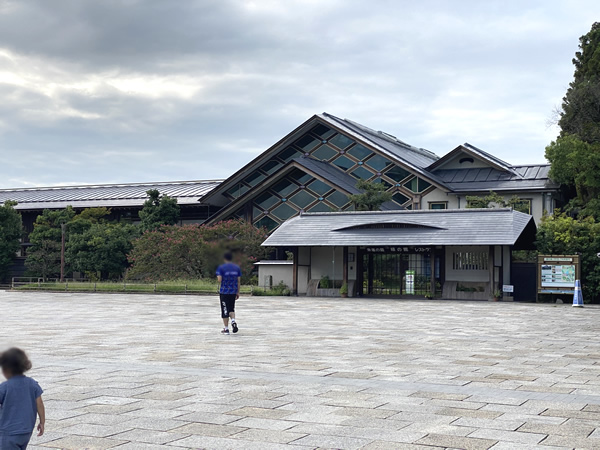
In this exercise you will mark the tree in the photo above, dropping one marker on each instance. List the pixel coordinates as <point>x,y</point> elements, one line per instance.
<point>158,210</point>
<point>193,251</point>
<point>575,155</point>
<point>372,196</point>
<point>101,250</point>
<point>43,257</point>
<point>11,230</point>
<point>563,235</point>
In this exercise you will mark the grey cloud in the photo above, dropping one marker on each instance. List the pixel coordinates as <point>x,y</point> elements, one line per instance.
<point>134,90</point>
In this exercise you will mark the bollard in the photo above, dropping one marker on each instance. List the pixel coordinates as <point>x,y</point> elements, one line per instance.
<point>577,295</point>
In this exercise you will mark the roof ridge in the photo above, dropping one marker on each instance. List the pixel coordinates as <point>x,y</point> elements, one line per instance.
<point>408,211</point>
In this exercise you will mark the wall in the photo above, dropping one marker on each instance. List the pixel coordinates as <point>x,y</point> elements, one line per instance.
<point>465,275</point>
<point>279,272</point>
<point>322,263</point>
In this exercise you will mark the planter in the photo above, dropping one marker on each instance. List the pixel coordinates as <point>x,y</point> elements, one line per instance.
<point>344,295</point>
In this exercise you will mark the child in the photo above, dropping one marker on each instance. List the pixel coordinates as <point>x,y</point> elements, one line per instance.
<point>20,402</point>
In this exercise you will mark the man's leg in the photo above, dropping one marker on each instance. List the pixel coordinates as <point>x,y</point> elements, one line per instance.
<point>232,314</point>
<point>224,313</point>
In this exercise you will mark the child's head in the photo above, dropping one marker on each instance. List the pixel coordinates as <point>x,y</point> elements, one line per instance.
<point>228,257</point>
<point>14,361</point>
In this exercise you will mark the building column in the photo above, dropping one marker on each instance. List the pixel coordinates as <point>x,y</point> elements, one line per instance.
<point>345,266</point>
<point>295,272</point>
<point>370,275</point>
<point>432,259</point>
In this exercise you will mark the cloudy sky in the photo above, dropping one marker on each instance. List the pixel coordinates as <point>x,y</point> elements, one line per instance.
<point>154,90</point>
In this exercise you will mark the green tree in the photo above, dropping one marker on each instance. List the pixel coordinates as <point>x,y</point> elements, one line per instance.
<point>575,155</point>
<point>43,257</point>
<point>11,230</point>
<point>560,234</point>
<point>158,210</point>
<point>372,196</point>
<point>101,249</point>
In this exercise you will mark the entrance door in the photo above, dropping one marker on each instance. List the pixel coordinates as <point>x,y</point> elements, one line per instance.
<point>397,274</point>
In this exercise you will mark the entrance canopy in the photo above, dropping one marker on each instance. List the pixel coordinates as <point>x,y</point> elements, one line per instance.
<point>410,228</point>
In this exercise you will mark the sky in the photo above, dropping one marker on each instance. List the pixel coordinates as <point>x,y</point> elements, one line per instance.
<point>120,91</point>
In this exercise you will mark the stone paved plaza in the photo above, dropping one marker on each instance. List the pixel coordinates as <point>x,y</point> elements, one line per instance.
<point>146,372</point>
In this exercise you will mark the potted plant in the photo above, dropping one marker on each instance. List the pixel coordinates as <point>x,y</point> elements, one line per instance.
<point>497,295</point>
<point>429,296</point>
<point>344,290</point>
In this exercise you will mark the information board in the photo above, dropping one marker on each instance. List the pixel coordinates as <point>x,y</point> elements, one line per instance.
<point>557,273</point>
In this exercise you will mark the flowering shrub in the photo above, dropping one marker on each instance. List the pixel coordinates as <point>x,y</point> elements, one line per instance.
<point>194,251</point>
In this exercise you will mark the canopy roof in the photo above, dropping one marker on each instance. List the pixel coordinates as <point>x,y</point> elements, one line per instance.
<point>410,228</point>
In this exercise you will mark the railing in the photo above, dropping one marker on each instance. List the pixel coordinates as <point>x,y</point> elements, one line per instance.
<point>72,285</point>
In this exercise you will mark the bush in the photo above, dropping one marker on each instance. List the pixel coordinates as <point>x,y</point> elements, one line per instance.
<point>280,289</point>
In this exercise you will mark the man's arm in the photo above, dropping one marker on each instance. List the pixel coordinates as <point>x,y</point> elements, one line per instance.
<point>41,410</point>
<point>239,283</point>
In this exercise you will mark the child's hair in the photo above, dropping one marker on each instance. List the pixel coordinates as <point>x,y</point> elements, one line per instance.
<point>227,256</point>
<point>15,361</point>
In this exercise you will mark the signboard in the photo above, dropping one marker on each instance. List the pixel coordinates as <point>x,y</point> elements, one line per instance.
<point>508,288</point>
<point>557,273</point>
<point>409,282</point>
<point>397,249</point>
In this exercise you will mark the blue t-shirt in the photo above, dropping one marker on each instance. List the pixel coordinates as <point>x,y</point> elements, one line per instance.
<point>229,273</point>
<point>18,408</point>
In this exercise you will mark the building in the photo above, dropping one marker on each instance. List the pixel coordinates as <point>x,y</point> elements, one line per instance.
<point>314,169</point>
<point>401,253</point>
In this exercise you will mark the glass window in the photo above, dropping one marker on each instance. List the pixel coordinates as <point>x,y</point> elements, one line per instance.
<point>361,173</point>
<point>350,207</point>
<point>307,143</point>
<point>301,177</point>
<point>397,173</point>
<point>271,166</point>
<point>284,211</point>
<point>256,211</point>
<point>254,178</point>
<point>284,187</point>
<point>379,163</point>
<point>265,201</point>
<point>438,205</point>
<point>337,198</point>
<point>343,163</point>
<point>360,152</point>
<point>319,187</point>
<point>240,214</point>
<point>289,153</point>
<point>302,198</point>
<point>341,141</point>
<point>324,153</point>
<point>266,222</point>
<point>417,185</point>
<point>382,181</point>
<point>322,131</point>
<point>237,190</point>
<point>400,198</point>
<point>320,207</point>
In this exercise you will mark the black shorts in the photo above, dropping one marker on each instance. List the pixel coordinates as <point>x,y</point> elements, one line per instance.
<point>227,304</point>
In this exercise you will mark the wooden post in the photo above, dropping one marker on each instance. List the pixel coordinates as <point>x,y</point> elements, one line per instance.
<point>295,272</point>
<point>370,275</point>
<point>63,227</point>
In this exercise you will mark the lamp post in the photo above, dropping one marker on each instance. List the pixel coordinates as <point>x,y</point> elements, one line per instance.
<point>63,227</point>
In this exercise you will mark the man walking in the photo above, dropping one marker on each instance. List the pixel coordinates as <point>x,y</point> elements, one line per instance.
<point>229,276</point>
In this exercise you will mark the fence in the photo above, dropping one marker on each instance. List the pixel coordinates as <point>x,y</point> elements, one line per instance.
<point>72,285</point>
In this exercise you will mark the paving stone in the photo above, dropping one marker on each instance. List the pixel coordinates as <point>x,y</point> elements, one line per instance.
<point>508,436</point>
<point>81,442</point>
<point>209,429</point>
<point>280,437</point>
<point>345,442</point>
<point>384,445</point>
<point>124,364</point>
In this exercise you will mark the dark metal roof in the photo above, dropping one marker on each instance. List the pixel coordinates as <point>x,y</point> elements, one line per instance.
<point>410,228</point>
<point>520,178</point>
<point>108,195</point>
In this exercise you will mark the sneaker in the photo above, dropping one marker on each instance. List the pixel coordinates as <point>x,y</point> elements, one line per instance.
<point>225,331</point>
<point>234,327</point>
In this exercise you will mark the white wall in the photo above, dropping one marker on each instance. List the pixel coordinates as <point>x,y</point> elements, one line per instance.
<point>466,275</point>
<point>323,264</point>
<point>279,272</point>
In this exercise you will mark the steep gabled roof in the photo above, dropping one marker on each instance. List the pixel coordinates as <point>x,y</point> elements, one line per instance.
<point>108,195</point>
<point>413,158</point>
<point>404,228</point>
<point>476,153</point>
